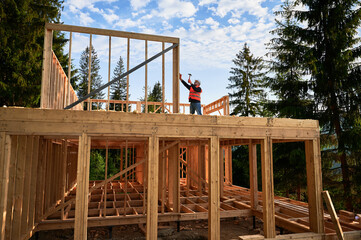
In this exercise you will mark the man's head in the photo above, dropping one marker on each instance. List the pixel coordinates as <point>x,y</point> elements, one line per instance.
<point>197,83</point>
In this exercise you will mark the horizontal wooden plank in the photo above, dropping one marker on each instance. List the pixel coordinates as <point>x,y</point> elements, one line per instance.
<point>62,122</point>
<point>113,33</point>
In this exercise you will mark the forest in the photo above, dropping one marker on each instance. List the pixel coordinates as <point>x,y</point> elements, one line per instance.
<point>312,70</point>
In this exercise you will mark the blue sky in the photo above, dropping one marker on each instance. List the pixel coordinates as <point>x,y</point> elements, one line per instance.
<point>211,33</point>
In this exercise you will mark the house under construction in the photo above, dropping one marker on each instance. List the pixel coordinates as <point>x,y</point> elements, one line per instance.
<point>174,166</point>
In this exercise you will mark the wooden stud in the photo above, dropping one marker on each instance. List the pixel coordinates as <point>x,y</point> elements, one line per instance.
<point>47,60</point>
<point>5,149</point>
<point>106,177</point>
<point>69,69</point>
<point>63,184</point>
<point>81,205</point>
<point>128,64</point>
<point>109,64</point>
<point>89,69</point>
<point>213,197</point>
<point>40,182</point>
<point>27,181</point>
<point>152,200</point>
<point>146,79</point>
<point>19,187</point>
<point>314,185</point>
<point>126,177</point>
<point>176,80</point>
<point>33,187</point>
<point>253,174</point>
<point>163,80</point>
<point>173,178</point>
<point>267,189</point>
<point>221,172</point>
<point>332,212</point>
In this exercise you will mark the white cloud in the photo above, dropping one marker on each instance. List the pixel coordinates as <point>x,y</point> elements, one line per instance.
<point>110,17</point>
<point>127,23</point>
<point>175,8</point>
<point>206,2</point>
<point>233,21</point>
<point>138,4</point>
<point>85,19</point>
<point>80,4</point>
<point>210,21</point>
<point>238,7</point>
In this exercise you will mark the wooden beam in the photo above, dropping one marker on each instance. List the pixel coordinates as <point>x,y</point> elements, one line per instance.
<point>176,79</point>
<point>152,199</point>
<point>332,212</point>
<point>89,70</point>
<point>268,189</point>
<point>173,178</point>
<point>314,185</point>
<point>81,204</point>
<point>46,69</point>
<point>253,174</point>
<point>221,172</point>
<point>5,149</point>
<point>128,65</point>
<point>213,197</point>
<point>113,33</point>
<point>163,80</point>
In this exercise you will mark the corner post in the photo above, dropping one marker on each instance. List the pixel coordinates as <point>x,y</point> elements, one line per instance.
<point>314,185</point>
<point>45,76</point>
<point>5,147</point>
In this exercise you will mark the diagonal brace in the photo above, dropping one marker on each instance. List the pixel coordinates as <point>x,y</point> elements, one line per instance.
<point>121,76</point>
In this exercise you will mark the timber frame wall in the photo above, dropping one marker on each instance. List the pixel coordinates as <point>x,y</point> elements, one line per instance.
<point>28,136</point>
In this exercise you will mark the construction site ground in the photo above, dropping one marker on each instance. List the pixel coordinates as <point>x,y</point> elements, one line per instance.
<point>189,230</point>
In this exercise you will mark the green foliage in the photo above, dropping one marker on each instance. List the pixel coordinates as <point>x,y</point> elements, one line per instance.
<point>95,78</point>
<point>246,84</point>
<point>118,90</point>
<point>287,81</point>
<point>97,165</point>
<point>21,48</point>
<point>155,95</point>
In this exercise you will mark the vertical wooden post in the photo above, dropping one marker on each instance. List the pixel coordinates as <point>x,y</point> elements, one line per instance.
<point>152,200</point>
<point>106,177</point>
<point>89,70</point>
<point>173,181</point>
<point>314,185</point>
<point>69,69</point>
<point>163,80</point>
<point>176,80</point>
<point>82,191</point>
<point>128,59</point>
<point>109,64</point>
<point>35,175</point>
<point>45,76</point>
<point>267,189</point>
<point>5,148</point>
<point>63,175</point>
<point>19,187</point>
<point>253,174</point>
<point>146,78</point>
<point>213,197</point>
<point>200,169</point>
<point>221,171</point>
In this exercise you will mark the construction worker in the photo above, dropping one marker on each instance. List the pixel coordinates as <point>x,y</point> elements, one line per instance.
<point>194,94</point>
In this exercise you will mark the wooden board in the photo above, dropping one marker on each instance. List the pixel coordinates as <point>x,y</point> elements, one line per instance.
<point>332,212</point>
<point>213,203</point>
<point>5,148</point>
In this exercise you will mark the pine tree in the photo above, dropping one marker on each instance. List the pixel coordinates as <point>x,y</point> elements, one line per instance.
<point>21,48</point>
<point>246,83</point>
<point>154,95</point>
<point>118,90</point>
<point>288,81</point>
<point>95,78</point>
<point>330,34</point>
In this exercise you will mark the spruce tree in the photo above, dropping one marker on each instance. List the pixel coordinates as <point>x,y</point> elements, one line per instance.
<point>118,90</point>
<point>155,95</point>
<point>333,48</point>
<point>21,48</point>
<point>288,81</point>
<point>246,84</point>
<point>95,78</point>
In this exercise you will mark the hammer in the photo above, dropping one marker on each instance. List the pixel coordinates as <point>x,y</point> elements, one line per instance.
<point>189,78</point>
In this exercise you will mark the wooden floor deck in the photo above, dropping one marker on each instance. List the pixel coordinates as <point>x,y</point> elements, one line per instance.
<point>123,209</point>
